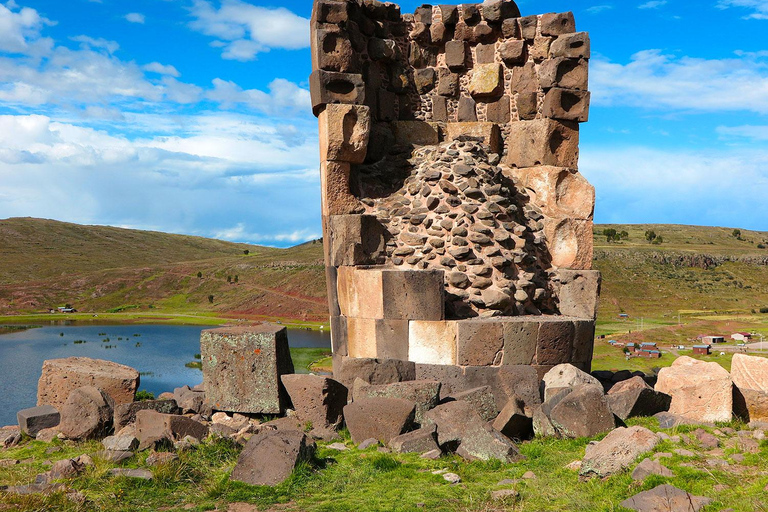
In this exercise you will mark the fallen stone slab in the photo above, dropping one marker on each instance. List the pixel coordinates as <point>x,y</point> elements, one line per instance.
<point>242,368</point>
<point>33,420</point>
<point>379,418</point>
<point>700,390</point>
<point>190,401</point>
<point>633,397</point>
<point>62,376</point>
<point>270,457</point>
<point>666,498</point>
<point>154,428</point>
<point>115,457</point>
<point>125,414</point>
<point>124,443</point>
<point>139,474</point>
<point>10,436</point>
<point>419,441</point>
<point>482,400</point>
<point>317,399</point>
<point>669,420</point>
<point>513,423</point>
<point>750,376</point>
<point>236,422</point>
<point>565,376</point>
<point>373,371</point>
<point>650,467</point>
<point>425,394</point>
<point>86,414</point>
<point>25,490</point>
<point>584,412</point>
<point>617,451</point>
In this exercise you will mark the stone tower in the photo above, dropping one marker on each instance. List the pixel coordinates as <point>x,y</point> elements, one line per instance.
<point>457,228</point>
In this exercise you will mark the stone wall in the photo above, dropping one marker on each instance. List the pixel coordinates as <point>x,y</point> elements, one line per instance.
<point>451,195</point>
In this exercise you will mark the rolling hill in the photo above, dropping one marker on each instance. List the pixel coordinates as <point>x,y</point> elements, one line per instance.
<point>99,269</point>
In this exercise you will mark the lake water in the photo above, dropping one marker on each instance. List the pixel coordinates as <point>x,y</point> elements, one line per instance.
<point>158,352</point>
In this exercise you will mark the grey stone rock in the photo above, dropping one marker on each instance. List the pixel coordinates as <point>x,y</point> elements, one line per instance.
<point>33,420</point>
<point>283,449</point>
<point>666,497</point>
<point>617,451</point>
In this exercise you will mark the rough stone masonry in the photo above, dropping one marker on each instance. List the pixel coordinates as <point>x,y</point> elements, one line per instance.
<point>457,228</point>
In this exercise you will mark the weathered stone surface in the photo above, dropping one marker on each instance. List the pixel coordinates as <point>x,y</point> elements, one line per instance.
<point>332,51</point>
<point>115,457</point>
<point>138,474</point>
<point>512,52</point>
<point>121,443</point>
<point>354,240</point>
<point>432,342</point>
<point>520,340</point>
<point>486,80</point>
<point>9,436</point>
<point>370,337</point>
<point>458,423</point>
<point>564,73</point>
<point>154,428</point>
<point>750,376</point>
<point>283,450</point>
<point>650,467</point>
<point>334,183</point>
<point>328,87</point>
<point>570,242</point>
<point>556,24</point>
<point>242,368</point>
<point>479,341</point>
<point>379,418</point>
<point>344,131</point>
<point>572,46</point>
<point>61,376</point>
<point>582,413</point>
<point>416,133</point>
<point>499,111</point>
<point>528,26</point>
<point>566,376</point>
<point>373,371</point>
<point>700,391</point>
<point>126,413</point>
<point>666,497</point>
<point>617,451</point>
<point>422,440</point>
<point>455,55</point>
<point>160,458</point>
<point>448,82</point>
<point>467,111</point>
<point>318,399</point>
<point>634,397</point>
<point>543,142</point>
<point>488,132</point>
<point>578,291</point>
<point>86,414</point>
<point>567,105</point>
<point>424,394</point>
<point>190,401</point>
<point>513,422</point>
<point>33,420</point>
<point>481,399</point>
<point>555,341</point>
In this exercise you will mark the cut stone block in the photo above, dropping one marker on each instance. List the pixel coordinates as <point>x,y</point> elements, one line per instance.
<point>570,243</point>
<point>486,80</point>
<point>566,104</point>
<point>543,142</point>
<point>242,368</point>
<point>390,294</point>
<point>555,343</point>
<point>378,418</point>
<point>328,11</point>
<point>577,292</point>
<point>332,51</point>
<point>354,240</point>
<point>479,342</point>
<point>154,428</point>
<point>525,79</point>
<point>439,109</point>
<point>317,399</point>
<point>520,341</point>
<point>573,46</point>
<point>557,191</point>
<point>377,338</point>
<point>456,55</point>
<point>327,87</point>
<point>482,399</point>
<point>499,111</point>
<point>512,52</point>
<point>126,413</point>
<point>467,111</point>
<point>270,457</point>
<point>528,26</point>
<point>584,412</point>
<point>416,133</point>
<point>510,29</point>
<point>750,376</point>
<point>418,441</point>
<point>339,345</point>
<point>489,132</point>
<point>336,197</point>
<point>485,54</point>
<point>33,420</point>
<point>448,82</point>
<point>583,343</point>
<point>700,391</point>
<point>432,342</point>
<point>372,371</point>
<point>618,451</point>
<point>344,133</point>
<point>527,105</point>
<point>513,422</point>
<point>62,376</point>
<point>556,24</point>
<point>565,73</point>
<point>425,80</point>
<point>496,11</point>
<point>425,394</point>
<point>87,414</point>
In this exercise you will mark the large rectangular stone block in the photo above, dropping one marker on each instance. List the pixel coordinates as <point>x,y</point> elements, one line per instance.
<point>336,197</point>
<point>391,294</point>
<point>339,344</point>
<point>565,73</point>
<point>354,240</point>
<point>555,24</point>
<point>543,142</point>
<point>577,292</point>
<point>489,132</point>
<point>432,342</point>
<point>555,343</point>
<point>327,87</point>
<point>242,368</point>
<point>480,342</point>
<point>567,105</point>
<point>573,46</point>
<point>416,133</point>
<point>583,341</point>
<point>377,339</point>
<point>372,371</point>
<point>344,133</point>
<point>332,51</point>
<point>559,192</point>
<point>521,336</point>
<point>33,420</point>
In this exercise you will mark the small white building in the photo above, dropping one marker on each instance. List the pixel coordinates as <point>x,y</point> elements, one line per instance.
<point>711,340</point>
<point>741,336</point>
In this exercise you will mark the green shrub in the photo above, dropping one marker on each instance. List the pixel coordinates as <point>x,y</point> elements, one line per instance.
<point>144,395</point>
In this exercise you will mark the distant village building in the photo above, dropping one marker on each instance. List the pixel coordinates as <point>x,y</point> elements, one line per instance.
<point>741,336</point>
<point>650,354</point>
<point>703,350</point>
<point>711,340</point>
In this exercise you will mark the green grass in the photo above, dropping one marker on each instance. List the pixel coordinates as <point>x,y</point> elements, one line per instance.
<point>304,357</point>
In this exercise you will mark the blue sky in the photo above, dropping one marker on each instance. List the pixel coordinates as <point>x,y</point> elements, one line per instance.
<point>193,116</point>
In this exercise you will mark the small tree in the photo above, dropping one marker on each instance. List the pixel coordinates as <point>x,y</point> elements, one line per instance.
<point>210,299</point>
<point>237,278</point>
<point>650,235</point>
<point>246,252</point>
<point>200,275</point>
<point>624,235</point>
<point>229,279</point>
<point>658,240</point>
<point>610,235</point>
<point>736,234</point>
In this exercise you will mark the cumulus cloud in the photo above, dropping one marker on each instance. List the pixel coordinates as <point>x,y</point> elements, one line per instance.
<point>597,9</point>
<point>749,132</point>
<point>759,8</point>
<point>243,30</point>
<point>654,79</point>
<point>653,4</point>
<point>20,30</point>
<point>283,96</point>
<point>240,233</point>
<point>98,44</point>
<point>161,69</point>
<point>135,17</point>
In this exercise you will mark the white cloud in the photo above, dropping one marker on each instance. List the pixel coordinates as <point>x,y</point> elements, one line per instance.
<point>135,17</point>
<point>750,132</point>
<point>706,187</point>
<point>597,9</point>
<point>244,30</point>
<point>20,31</point>
<point>98,44</point>
<point>240,233</point>
<point>653,79</point>
<point>653,4</point>
<point>161,69</point>
<point>283,96</point>
<point>759,8</point>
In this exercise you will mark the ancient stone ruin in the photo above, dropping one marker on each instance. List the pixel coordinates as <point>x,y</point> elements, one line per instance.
<point>457,228</point>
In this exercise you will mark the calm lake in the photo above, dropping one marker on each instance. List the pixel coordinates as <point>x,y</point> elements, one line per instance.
<point>158,352</point>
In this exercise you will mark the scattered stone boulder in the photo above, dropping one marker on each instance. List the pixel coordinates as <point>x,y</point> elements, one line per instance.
<point>33,420</point>
<point>189,401</point>
<point>126,413</point>
<point>700,391</point>
<point>650,467</point>
<point>373,371</point>
<point>422,440</point>
<point>320,400</point>
<point>633,397</point>
<point>242,368</point>
<point>86,414</point>
<point>9,436</point>
<point>62,376</point>
<point>47,435</point>
<point>154,428</point>
<point>116,457</point>
<point>270,456</point>
<point>66,468</point>
<point>565,376</point>
<point>482,400</point>
<point>617,451</point>
<point>668,420</point>
<point>121,443</point>
<point>138,474</point>
<point>706,440</point>
<point>584,412</point>
<point>461,429</point>
<point>513,423</point>
<point>750,376</point>
<point>379,418</point>
<point>425,394</point>
<point>666,497</point>
<point>236,422</point>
